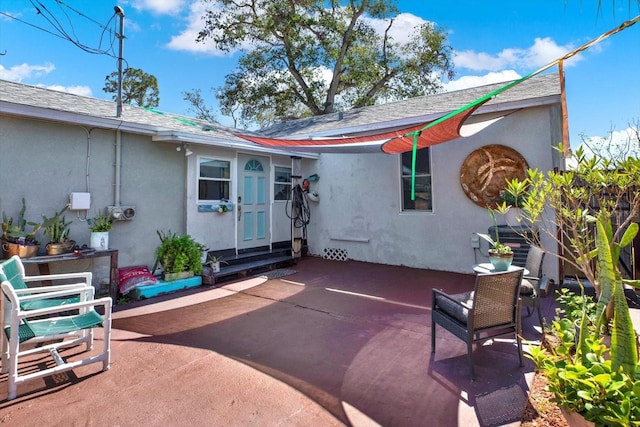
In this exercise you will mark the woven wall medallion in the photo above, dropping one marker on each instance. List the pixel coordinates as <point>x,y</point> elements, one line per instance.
<point>484,171</point>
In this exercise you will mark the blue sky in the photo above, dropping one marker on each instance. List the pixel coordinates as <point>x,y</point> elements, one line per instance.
<point>493,40</point>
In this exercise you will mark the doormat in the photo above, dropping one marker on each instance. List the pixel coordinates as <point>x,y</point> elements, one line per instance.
<point>276,274</point>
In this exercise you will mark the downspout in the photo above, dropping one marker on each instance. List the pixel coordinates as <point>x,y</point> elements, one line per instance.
<point>118,163</point>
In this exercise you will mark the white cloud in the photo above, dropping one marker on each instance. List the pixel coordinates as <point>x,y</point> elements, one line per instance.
<point>616,146</point>
<point>76,90</point>
<point>186,40</point>
<point>401,30</point>
<point>18,73</point>
<point>474,81</point>
<point>543,51</point>
<point>160,7</point>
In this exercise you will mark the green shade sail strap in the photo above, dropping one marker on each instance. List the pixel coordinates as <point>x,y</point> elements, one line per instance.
<point>496,92</point>
<point>414,155</point>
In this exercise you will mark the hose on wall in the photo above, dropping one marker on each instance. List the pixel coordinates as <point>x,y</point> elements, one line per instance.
<point>297,209</point>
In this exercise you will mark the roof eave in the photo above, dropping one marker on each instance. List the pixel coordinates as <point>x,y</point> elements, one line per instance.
<point>157,134</point>
<point>184,137</point>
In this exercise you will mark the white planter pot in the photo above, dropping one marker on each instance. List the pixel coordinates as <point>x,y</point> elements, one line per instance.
<point>215,266</point>
<point>513,217</point>
<point>99,240</point>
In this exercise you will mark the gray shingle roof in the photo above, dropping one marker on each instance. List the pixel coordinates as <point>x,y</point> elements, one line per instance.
<point>86,109</point>
<point>26,100</point>
<point>541,88</point>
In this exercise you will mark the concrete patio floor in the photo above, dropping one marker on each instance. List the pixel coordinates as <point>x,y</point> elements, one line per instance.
<point>336,343</point>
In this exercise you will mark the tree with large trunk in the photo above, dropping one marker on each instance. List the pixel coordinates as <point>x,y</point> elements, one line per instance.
<point>304,58</point>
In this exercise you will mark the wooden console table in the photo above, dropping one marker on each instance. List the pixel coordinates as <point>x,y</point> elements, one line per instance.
<point>44,261</point>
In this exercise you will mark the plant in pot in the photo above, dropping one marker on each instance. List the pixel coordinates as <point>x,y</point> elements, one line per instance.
<point>513,201</point>
<point>100,225</point>
<point>179,255</point>
<point>500,255</point>
<point>16,239</point>
<point>57,229</point>
<point>588,214</point>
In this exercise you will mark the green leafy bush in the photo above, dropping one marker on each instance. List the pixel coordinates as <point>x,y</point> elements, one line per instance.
<point>178,253</point>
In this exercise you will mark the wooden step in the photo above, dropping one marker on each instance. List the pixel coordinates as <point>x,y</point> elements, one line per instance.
<point>249,265</point>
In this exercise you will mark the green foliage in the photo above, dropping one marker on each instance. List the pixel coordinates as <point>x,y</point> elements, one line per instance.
<point>573,306</point>
<point>198,105</point>
<point>100,223</point>
<point>589,385</point>
<point>178,253</point>
<point>496,246</point>
<point>570,201</point>
<point>294,45</point>
<point>56,227</point>
<point>600,382</point>
<point>579,210</point>
<point>17,232</point>
<point>138,87</point>
<point>513,194</point>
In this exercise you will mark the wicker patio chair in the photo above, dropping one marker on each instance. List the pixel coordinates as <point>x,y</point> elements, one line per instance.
<point>530,286</point>
<point>492,309</point>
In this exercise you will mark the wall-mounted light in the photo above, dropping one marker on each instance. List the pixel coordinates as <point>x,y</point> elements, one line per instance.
<point>185,147</point>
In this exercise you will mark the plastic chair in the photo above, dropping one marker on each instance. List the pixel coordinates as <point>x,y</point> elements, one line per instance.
<point>492,309</point>
<point>530,286</point>
<point>57,325</point>
<point>13,270</point>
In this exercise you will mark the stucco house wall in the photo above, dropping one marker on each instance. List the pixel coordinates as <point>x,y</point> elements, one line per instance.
<point>360,208</point>
<point>52,144</point>
<point>217,231</point>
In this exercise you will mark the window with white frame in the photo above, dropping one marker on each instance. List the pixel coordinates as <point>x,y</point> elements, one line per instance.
<point>214,179</point>
<point>282,183</point>
<point>423,198</point>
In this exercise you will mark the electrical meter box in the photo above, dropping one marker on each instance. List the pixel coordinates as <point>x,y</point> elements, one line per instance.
<point>80,201</point>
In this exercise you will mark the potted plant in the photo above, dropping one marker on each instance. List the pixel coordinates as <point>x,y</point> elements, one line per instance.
<point>500,255</point>
<point>57,228</point>
<point>16,239</point>
<point>179,255</point>
<point>593,370</point>
<point>513,201</point>
<point>100,226</point>
<point>215,261</point>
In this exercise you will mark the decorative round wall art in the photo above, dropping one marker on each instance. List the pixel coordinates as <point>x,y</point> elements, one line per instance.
<point>484,171</point>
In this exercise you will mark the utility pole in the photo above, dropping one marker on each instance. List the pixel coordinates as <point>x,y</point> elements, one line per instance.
<point>120,12</point>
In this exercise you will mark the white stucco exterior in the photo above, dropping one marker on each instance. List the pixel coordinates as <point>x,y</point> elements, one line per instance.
<point>360,209</point>
<point>52,144</point>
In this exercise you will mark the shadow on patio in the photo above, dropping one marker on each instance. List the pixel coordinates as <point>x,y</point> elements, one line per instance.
<point>352,337</point>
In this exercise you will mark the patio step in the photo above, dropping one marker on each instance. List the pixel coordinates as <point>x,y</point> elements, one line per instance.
<point>242,264</point>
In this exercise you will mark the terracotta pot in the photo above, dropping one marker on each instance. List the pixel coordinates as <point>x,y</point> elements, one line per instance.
<point>575,420</point>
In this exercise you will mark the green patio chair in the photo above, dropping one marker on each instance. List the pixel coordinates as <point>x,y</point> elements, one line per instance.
<point>53,328</point>
<point>492,309</point>
<point>78,286</point>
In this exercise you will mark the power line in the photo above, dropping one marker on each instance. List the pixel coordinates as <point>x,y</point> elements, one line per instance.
<point>70,34</point>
